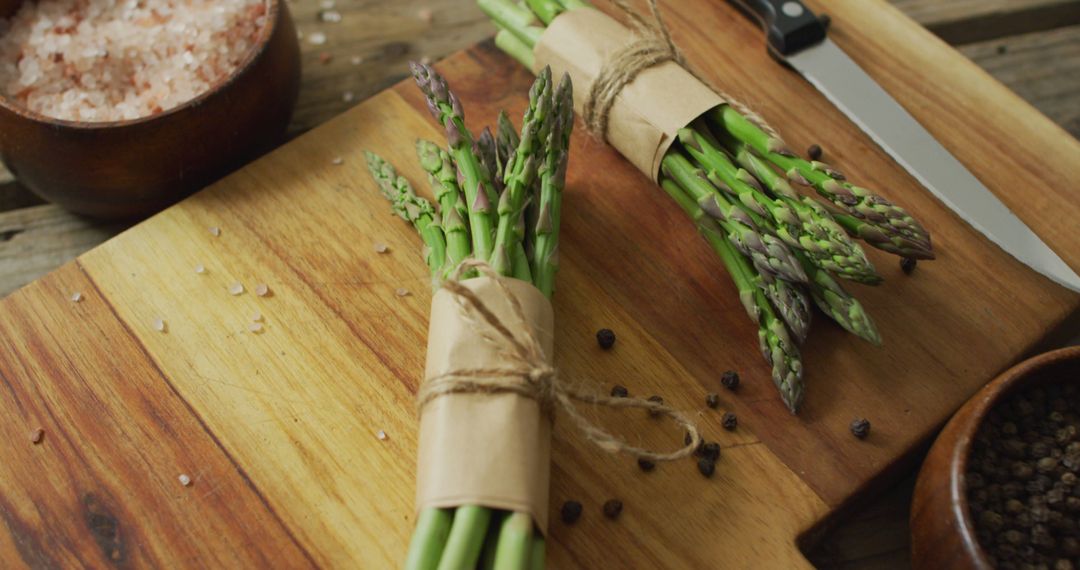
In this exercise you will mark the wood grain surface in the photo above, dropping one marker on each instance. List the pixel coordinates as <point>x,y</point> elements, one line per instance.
<point>294,409</point>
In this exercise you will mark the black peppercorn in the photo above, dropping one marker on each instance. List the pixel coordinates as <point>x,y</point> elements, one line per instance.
<point>860,428</point>
<point>712,400</point>
<point>605,338</point>
<point>710,451</point>
<point>613,508</point>
<point>814,152</point>
<point>657,400</point>
<point>707,466</point>
<point>730,421</point>
<point>730,380</point>
<point>619,391</point>
<point>570,512</point>
<point>907,265</point>
<point>646,465</point>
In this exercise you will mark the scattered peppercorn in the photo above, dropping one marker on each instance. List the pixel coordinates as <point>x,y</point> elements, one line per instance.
<point>707,466</point>
<point>619,391</point>
<point>814,152</point>
<point>1022,479</point>
<point>907,265</point>
<point>646,465</point>
<point>730,421</point>
<point>605,338</point>
<point>730,380</point>
<point>613,508</point>
<point>657,400</point>
<point>712,400</point>
<point>711,450</point>
<point>37,435</point>
<point>570,512</point>
<point>860,428</point>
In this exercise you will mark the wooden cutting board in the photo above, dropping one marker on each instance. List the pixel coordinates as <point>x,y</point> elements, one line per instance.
<point>277,429</point>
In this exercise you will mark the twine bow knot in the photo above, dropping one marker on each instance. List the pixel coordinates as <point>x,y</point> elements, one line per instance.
<point>529,375</point>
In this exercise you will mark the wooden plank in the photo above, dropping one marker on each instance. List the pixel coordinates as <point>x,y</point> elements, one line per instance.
<point>299,404</point>
<point>967,21</point>
<point>385,35</point>
<point>36,240</point>
<point>1043,68</point>
<point>101,488</point>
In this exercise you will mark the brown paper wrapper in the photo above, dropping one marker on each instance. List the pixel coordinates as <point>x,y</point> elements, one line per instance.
<point>492,450</point>
<point>647,114</point>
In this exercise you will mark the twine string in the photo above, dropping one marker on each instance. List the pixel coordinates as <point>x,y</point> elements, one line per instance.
<point>527,373</point>
<point>652,46</point>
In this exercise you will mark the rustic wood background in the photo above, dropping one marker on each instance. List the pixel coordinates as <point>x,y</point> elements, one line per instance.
<point>1033,46</point>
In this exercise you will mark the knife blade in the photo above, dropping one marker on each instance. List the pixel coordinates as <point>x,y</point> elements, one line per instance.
<point>798,37</point>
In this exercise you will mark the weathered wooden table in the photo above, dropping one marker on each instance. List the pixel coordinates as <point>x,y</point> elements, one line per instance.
<point>1033,46</point>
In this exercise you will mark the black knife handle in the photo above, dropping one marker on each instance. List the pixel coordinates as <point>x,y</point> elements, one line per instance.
<point>789,25</point>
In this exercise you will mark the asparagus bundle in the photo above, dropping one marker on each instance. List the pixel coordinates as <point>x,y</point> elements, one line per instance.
<point>781,248</point>
<point>482,187</point>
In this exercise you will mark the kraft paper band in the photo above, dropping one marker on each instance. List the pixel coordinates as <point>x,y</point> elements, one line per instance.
<point>648,112</point>
<point>484,449</point>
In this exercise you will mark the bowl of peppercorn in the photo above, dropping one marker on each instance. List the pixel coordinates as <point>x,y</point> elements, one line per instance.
<point>999,488</point>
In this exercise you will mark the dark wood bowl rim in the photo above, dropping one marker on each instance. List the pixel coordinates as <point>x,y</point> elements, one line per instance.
<point>1004,385</point>
<point>273,8</point>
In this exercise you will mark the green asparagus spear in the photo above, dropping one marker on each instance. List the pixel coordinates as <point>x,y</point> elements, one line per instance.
<point>834,301</point>
<point>799,224</point>
<point>891,220</point>
<point>475,180</point>
<point>466,538</point>
<point>412,208</point>
<point>552,181</point>
<point>519,20</point>
<point>514,545</point>
<point>443,179</point>
<point>769,254</point>
<point>521,171</point>
<point>429,539</point>
<point>773,339</point>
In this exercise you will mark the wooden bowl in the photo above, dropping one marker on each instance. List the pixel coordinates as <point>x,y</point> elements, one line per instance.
<point>130,168</point>
<point>942,531</point>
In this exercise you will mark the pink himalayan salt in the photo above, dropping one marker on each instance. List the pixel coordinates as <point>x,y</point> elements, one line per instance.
<point>106,60</point>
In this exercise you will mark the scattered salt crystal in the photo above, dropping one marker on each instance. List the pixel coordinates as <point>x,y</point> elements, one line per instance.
<point>425,15</point>
<point>356,59</point>
<point>338,161</point>
<point>200,269</point>
<point>236,288</point>
<point>317,38</point>
<point>255,328</point>
<point>76,297</point>
<point>381,248</point>
<point>37,435</point>
<point>262,289</point>
<point>159,324</point>
<point>380,434</point>
<point>257,317</point>
<point>331,16</point>
<point>348,96</point>
<point>185,480</point>
<point>402,292</point>
<point>327,4</point>
<point>215,231</point>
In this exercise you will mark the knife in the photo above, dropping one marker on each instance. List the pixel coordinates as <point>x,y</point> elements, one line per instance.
<point>798,37</point>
